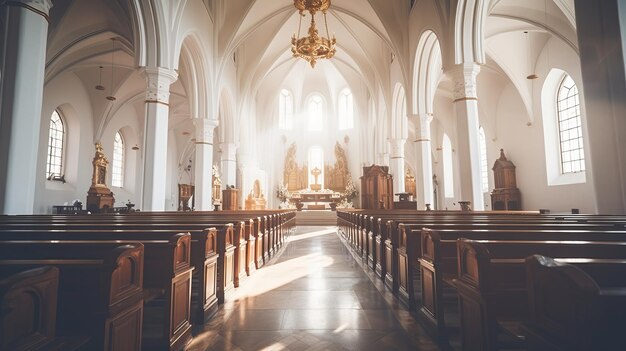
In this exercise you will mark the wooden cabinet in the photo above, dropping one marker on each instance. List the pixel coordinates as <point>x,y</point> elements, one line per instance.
<point>230,198</point>
<point>506,195</point>
<point>376,188</point>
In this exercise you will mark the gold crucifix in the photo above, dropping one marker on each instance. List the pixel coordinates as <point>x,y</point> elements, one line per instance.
<point>316,173</point>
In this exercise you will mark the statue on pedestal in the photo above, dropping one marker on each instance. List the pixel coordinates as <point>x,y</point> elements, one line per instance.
<point>99,197</point>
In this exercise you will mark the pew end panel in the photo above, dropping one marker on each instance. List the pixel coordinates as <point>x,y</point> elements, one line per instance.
<point>28,305</point>
<point>391,256</point>
<point>204,258</point>
<point>570,311</point>
<point>100,287</point>
<point>380,266</point>
<point>226,261</point>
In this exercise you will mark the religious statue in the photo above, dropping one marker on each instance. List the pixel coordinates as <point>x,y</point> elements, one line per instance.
<point>256,198</point>
<point>99,197</point>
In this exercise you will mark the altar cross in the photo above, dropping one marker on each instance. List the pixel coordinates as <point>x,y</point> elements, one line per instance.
<point>316,173</point>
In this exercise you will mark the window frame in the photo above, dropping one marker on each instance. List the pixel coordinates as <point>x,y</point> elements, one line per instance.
<point>60,176</point>
<point>285,115</point>
<point>561,120</point>
<point>122,160</point>
<point>345,118</point>
<point>549,119</point>
<point>484,159</point>
<point>448,167</point>
<point>322,106</point>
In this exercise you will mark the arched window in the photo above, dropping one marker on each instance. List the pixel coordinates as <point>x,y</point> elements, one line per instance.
<point>118,161</point>
<point>285,110</point>
<point>346,110</point>
<point>316,162</point>
<point>316,113</point>
<point>570,127</point>
<point>484,167</point>
<point>448,176</point>
<point>56,148</point>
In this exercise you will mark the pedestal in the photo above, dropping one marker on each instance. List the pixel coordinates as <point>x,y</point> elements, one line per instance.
<point>99,199</point>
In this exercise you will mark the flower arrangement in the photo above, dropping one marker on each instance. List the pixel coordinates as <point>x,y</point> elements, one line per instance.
<point>282,192</point>
<point>351,191</point>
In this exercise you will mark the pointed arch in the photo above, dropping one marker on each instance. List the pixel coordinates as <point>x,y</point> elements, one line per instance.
<point>469,24</point>
<point>398,116</point>
<point>427,72</point>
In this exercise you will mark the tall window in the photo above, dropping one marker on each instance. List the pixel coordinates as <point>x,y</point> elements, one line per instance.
<point>448,176</point>
<point>56,147</point>
<point>346,110</point>
<point>285,110</point>
<point>118,161</point>
<point>570,127</point>
<point>316,161</point>
<point>484,167</point>
<point>316,113</point>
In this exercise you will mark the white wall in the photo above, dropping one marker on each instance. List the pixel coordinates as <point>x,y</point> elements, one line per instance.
<point>67,92</point>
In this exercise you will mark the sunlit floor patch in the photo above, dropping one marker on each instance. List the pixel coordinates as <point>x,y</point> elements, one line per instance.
<point>312,296</point>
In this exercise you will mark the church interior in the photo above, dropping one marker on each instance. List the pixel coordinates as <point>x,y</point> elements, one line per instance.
<point>378,158</point>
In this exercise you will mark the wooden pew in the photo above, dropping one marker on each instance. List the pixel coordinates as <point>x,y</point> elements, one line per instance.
<point>273,226</point>
<point>492,282</point>
<point>100,287</point>
<point>28,300</point>
<point>204,253</point>
<point>575,307</point>
<point>438,263</point>
<point>409,245</point>
<point>167,277</point>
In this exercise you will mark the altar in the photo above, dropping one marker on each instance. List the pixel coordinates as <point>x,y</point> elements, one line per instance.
<point>316,200</point>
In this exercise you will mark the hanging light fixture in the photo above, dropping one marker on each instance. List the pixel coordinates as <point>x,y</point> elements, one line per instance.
<point>111,97</point>
<point>312,47</point>
<point>100,86</point>
<point>531,76</point>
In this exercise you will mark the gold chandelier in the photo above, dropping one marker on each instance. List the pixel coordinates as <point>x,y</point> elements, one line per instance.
<point>312,47</point>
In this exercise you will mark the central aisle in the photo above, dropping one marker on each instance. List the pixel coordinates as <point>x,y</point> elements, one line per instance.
<point>314,296</point>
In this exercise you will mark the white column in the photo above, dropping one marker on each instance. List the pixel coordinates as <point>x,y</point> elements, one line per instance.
<point>601,28</point>
<point>204,164</point>
<point>423,148</point>
<point>396,164</point>
<point>24,32</point>
<point>155,136</point>
<point>466,106</point>
<point>229,163</point>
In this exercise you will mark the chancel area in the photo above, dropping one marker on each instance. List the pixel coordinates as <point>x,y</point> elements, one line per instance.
<point>312,174</point>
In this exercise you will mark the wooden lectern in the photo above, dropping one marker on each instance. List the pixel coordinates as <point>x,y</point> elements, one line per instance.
<point>506,195</point>
<point>376,188</point>
<point>230,197</point>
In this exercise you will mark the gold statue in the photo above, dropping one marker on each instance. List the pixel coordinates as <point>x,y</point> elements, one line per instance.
<point>99,197</point>
<point>316,173</point>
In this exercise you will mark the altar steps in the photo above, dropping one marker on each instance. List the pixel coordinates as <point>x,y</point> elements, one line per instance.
<point>321,218</point>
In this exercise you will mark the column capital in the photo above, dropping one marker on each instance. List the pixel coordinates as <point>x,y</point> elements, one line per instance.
<point>464,77</point>
<point>204,130</point>
<point>397,148</point>
<point>158,81</point>
<point>422,123</point>
<point>41,7</point>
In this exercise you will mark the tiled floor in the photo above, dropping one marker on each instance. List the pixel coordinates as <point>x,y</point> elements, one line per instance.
<point>314,296</point>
